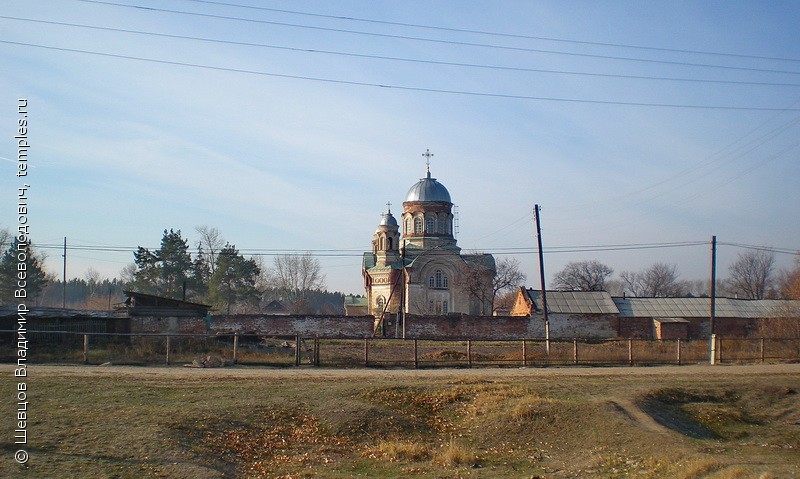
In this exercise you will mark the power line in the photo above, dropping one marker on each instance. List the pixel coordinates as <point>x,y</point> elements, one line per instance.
<point>769,249</point>
<point>448,42</point>
<point>359,252</point>
<point>402,87</point>
<point>404,59</point>
<point>502,34</point>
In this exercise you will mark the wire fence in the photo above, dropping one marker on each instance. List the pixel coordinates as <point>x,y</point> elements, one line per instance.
<point>202,350</point>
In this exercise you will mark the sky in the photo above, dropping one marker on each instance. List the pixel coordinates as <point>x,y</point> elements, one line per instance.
<point>642,129</point>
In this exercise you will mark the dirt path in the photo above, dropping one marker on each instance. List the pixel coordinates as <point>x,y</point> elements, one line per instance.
<point>177,372</point>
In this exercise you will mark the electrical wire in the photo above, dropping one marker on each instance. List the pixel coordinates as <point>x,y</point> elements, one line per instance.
<point>439,41</point>
<point>404,59</point>
<point>404,87</point>
<point>500,34</point>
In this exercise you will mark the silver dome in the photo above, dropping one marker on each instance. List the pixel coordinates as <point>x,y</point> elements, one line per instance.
<point>388,220</point>
<point>428,189</point>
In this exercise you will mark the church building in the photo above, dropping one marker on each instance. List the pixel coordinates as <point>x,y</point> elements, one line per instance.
<point>416,264</point>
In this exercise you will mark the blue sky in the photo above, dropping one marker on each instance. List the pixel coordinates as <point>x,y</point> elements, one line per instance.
<point>628,122</point>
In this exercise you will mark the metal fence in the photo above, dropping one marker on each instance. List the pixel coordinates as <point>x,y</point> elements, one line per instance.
<point>174,349</point>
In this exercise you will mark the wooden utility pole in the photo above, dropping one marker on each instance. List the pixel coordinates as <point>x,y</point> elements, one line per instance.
<point>541,277</point>
<point>713,291</point>
<point>64,286</point>
<point>713,312</point>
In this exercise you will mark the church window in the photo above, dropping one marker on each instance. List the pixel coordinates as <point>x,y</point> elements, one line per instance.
<point>438,275</point>
<point>418,225</point>
<point>391,246</point>
<point>445,282</point>
<point>408,226</point>
<point>430,225</point>
<point>441,225</point>
<point>382,245</point>
<point>431,282</point>
<point>445,307</point>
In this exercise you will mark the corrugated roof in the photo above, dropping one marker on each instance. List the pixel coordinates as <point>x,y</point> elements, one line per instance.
<point>701,307</point>
<point>575,302</point>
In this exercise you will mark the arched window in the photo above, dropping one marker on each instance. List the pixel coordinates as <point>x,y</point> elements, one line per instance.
<point>391,246</point>
<point>431,282</point>
<point>438,275</point>
<point>441,223</point>
<point>445,282</point>
<point>418,225</point>
<point>382,244</point>
<point>408,226</point>
<point>430,225</point>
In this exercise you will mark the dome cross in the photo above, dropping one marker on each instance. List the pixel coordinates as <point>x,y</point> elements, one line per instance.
<point>428,156</point>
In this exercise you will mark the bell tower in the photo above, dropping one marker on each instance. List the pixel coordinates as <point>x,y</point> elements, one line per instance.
<point>386,241</point>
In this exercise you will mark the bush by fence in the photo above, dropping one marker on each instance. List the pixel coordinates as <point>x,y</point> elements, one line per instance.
<point>149,349</point>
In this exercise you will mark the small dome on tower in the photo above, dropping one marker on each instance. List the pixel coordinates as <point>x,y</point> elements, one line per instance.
<point>428,189</point>
<point>387,219</point>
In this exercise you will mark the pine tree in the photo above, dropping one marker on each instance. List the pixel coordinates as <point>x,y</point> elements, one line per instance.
<point>165,271</point>
<point>234,278</point>
<point>18,264</point>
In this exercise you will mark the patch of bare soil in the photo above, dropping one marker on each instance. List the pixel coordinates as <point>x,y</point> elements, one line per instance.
<point>674,419</point>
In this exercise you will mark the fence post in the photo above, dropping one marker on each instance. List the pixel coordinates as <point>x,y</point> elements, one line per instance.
<point>630,351</point>
<point>713,355</point>
<point>366,352</point>
<point>469,352</point>
<point>762,353</point>
<point>85,349</point>
<point>416,357</point>
<point>297,350</point>
<point>316,350</point>
<point>168,348</point>
<point>575,351</point>
<point>679,351</point>
<point>524,354</point>
<point>235,347</point>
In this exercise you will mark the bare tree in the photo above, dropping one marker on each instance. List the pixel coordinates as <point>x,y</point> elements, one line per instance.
<point>211,240</point>
<point>751,274</point>
<point>475,276</point>
<point>789,282</point>
<point>128,274</point>
<point>583,276</point>
<point>92,277</point>
<point>658,281</point>
<point>507,278</point>
<point>296,275</point>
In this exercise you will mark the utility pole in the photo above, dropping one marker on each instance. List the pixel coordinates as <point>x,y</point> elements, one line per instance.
<point>64,286</point>
<point>713,283</point>
<point>713,312</point>
<point>541,277</point>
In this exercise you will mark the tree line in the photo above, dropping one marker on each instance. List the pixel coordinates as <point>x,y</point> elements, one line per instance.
<point>751,276</point>
<point>214,272</point>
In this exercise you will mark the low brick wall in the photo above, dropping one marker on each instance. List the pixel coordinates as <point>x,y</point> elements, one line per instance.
<point>562,326</point>
<point>323,326</point>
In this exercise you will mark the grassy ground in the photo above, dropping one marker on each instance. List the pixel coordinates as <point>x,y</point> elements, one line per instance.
<point>688,422</point>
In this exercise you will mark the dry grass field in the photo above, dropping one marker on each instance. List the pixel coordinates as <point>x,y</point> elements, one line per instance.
<point>688,422</point>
